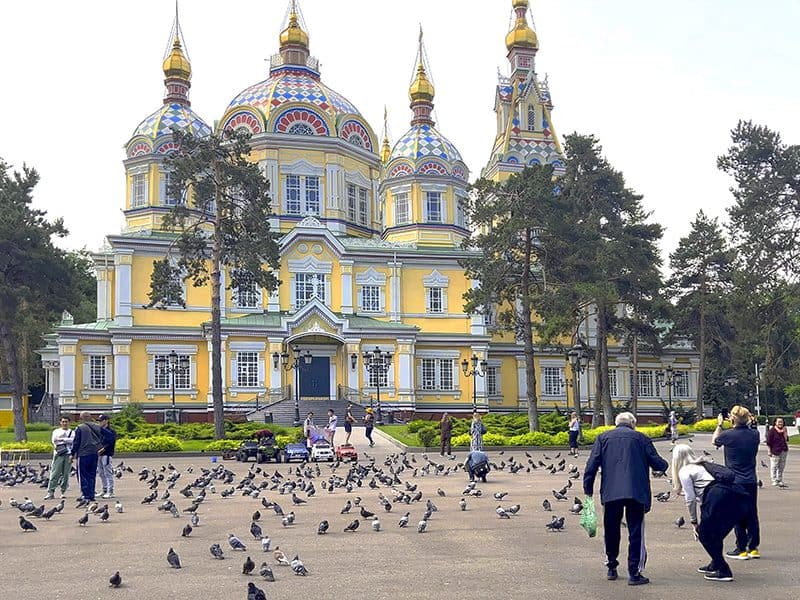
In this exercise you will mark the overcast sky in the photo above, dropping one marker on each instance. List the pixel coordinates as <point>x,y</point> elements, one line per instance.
<point>659,83</point>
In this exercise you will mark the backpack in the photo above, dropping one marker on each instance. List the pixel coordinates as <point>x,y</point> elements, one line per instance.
<point>720,473</point>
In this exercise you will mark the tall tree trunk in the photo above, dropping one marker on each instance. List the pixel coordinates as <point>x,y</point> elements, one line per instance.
<point>701,376</point>
<point>17,388</point>
<point>527,334</point>
<point>603,393</point>
<point>635,376</point>
<point>216,318</point>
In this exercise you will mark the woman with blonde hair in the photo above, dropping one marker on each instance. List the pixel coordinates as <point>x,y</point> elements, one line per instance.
<point>722,505</point>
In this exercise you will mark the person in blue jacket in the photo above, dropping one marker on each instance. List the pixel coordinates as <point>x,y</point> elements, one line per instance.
<point>477,465</point>
<point>625,457</point>
<point>105,464</point>
<point>87,443</point>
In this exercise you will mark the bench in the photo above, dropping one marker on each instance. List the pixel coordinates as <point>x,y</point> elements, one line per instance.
<point>14,455</point>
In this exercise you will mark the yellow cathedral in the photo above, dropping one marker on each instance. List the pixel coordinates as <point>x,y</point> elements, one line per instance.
<point>370,246</point>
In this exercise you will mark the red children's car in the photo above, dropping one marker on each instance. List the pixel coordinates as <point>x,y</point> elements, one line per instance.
<point>346,452</point>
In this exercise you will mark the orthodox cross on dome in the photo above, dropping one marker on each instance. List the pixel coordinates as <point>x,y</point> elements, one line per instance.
<point>421,92</point>
<point>386,150</point>
<point>177,68</point>
<point>293,37</point>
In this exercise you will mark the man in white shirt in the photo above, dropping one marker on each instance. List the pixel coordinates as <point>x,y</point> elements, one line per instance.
<point>330,430</point>
<point>62,448</point>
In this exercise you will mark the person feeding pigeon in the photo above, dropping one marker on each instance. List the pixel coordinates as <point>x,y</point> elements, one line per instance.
<point>721,507</point>
<point>624,456</point>
<point>477,465</point>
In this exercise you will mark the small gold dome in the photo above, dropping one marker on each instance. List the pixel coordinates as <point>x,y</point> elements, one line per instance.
<point>519,3</point>
<point>422,88</point>
<point>294,34</point>
<point>522,35</point>
<point>176,64</point>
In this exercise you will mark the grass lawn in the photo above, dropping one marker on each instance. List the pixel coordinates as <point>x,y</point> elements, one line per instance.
<point>400,433</point>
<point>33,436</point>
<point>794,440</point>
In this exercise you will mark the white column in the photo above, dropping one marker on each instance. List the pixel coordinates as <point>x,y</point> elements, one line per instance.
<point>67,348</point>
<point>353,346</point>
<point>480,382</point>
<point>394,291</point>
<point>347,286</point>
<point>275,372</point>
<point>477,323</point>
<point>405,365</point>
<point>274,302</point>
<point>103,271</point>
<point>122,370</point>
<point>522,382</point>
<point>123,262</point>
<point>332,176</point>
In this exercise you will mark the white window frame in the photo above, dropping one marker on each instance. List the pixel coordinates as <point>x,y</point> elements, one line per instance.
<point>98,372</point>
<point>313,285</point>
<point>292,187</point>
<point>434,300</point>
<point>647,384</point>
<point>162,377</point>
<point>553,383</point>
<point>247,297</point>
<point>436,216</point>
<point>493,387</point>
<point>371,298</point>
<point>164,184</point>
<point>681,386</point>
<point>247,369</point>
<point>312,195</point>
<point>531,123</point>
<point>613,382</point>
<point>139,189</point>
<point>363,206</point>
<point>437,374</point>
<point>352,202</point>
<point>402,209</point>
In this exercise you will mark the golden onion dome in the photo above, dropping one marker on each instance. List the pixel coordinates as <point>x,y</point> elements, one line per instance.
<point>522,35</point>
<point>176,64</point>
<point>519,4</point>
<point>294,34</point>
<point>422,88</point>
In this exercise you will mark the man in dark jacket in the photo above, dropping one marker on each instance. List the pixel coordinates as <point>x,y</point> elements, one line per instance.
<point>88,442</point>
<point>105,466</point>
<point>625,457</point>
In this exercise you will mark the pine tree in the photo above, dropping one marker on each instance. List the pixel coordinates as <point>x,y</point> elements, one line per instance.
<point>224,225</point>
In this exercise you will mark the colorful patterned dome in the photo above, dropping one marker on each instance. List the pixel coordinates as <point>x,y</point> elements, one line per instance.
<point>424,150</point>
<point>154,134</point>
<point>294,100</point>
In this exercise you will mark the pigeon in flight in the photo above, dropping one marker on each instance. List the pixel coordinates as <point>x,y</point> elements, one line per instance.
<point>173,559</point>
<point>116,580</point>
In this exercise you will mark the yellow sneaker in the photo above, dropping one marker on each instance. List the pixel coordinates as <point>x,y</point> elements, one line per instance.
<point>754,554</point>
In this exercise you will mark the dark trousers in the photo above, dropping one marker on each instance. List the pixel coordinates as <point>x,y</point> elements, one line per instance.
<point>721,509</point>
<point>87,473</point>
<point>446,444</point>
<point>368,433</point>
<point>747,530</point>
<point>634,517</point>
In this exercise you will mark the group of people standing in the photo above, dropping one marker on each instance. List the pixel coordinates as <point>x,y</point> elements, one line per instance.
<point>329,432</point>
<point>92,444</point>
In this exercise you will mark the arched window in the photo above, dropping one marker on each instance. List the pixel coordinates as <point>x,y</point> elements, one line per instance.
<point>531,118</point>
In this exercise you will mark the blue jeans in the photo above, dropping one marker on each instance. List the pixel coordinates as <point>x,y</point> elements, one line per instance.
<point>87,473</point>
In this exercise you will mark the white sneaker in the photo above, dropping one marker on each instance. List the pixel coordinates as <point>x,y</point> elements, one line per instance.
<point>108,495</point>
<point>62,496</point>
<point>49,496</point>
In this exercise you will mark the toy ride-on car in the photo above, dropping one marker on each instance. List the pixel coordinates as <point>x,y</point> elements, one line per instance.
<point>322,450</point>
<point>347,452</point>
<point>263,448</point>
<point>295,451</point>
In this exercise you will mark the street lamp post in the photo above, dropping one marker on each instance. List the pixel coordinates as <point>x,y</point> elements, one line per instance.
<point>478,370</point>
<point>669,379</point>
<point>377,361</point>
<point>172,365</point>
<point>282,359</point>
<point>578,357</point>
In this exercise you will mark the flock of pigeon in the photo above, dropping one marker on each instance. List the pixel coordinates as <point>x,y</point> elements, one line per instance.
<point>395,483</point>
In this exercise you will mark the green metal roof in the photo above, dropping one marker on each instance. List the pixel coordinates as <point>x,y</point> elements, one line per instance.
<point>254,320</point>
<point>101,325</point>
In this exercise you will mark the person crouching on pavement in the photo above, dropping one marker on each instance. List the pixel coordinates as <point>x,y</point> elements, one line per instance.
<point>477,465</point>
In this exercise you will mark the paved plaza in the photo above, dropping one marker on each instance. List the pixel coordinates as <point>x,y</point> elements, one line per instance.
<point>465,555</point>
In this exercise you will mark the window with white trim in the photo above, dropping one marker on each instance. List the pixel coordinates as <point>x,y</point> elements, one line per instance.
<point>646,383</point>
<point>434,300</point>
<point>363,206</point>
<point>164,371</point>
<point>166,198</point>
<point>307,287</point>
<point>138,190</point>
<point>531,118</point>
<point>433,207</point>
<point>489,316</point>
<point>553,381</point>
<point>247,369</point>
<point>352,200</point>
<point>437,374</point>
<point>311,188</point>
<point>681,382</point>
<point>292,194</point>
<point>612,383</point>
<point>375,376</point>
<point>371,298</point>
<point>402,214</point>
<point>461,212</point>
<point>246,294</point>
<point>493,381</point>
<point>97,373</point>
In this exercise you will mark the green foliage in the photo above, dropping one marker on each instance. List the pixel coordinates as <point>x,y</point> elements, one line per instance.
<point>792,392</point>
<point>33,447</point>
<point>708,425</point>
<point>553,422</point>
<point>427,436</point>
<point>461,440</point>
<point>221,445</point>
<point>156,443</point>
<point>38,427</point>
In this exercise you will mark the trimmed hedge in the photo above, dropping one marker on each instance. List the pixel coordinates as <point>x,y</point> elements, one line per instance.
<point>222,445</point>
<point>156,443</point>
<point>33,447</point>
<point>709,425</point>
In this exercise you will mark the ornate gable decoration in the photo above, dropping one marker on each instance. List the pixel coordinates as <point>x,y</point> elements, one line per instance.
<point>370,277</point>
<point>435,279</point>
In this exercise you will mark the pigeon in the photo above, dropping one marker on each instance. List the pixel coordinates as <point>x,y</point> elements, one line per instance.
<point>323,527</point>
<point>557,524</point>
<point>764,464</point>
<point>514,509</point>
<point>26,525</point>
<point>577,507</point>
<point>256,516</point>
<point>173,559</point>
<point>501,512</point>
<point>366,514</point>
<point>404,520</point>
<point>248,566</point>
<point>663,496</point>
<point>298,567</point>
<point>194,520</point>
<point>546,504</point>
<point>236,543</point>
<point>352,526</point>
<point>500,495</point>
<point>440,491</point>
<point>296,500</point>
<point>376,524</point>
<point>422,526</point>
<point>118,507</point>
<point>265,542</point>
<point>216,551</point>
<point>84,519</point>
<point>255,530</point>
<point>559,495</point>
<point>266,572</point>
<point>187,530</point>
<point>347,506</point>
<point>116,580</point>
<point>255,593</point>
<point>280,557</point>
<point>680,522</point>
<point>463,504</point>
